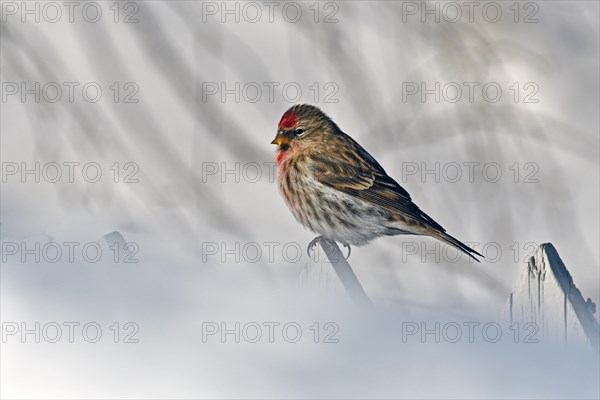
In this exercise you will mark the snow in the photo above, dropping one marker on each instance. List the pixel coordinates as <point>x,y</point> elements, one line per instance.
<point>178,206</point>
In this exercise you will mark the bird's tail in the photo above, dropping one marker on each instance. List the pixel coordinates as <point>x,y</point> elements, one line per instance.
<point>444,237</point>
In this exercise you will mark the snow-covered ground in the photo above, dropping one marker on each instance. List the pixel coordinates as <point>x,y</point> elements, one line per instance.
<point>187,181</point>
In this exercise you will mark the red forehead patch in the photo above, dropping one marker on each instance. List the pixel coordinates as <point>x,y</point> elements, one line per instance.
<point>289,120</point>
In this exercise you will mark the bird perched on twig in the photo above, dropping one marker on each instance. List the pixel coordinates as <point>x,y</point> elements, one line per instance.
<point>338,190</point>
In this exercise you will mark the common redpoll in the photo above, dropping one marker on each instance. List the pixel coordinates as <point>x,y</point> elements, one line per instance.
<point>338,190</point>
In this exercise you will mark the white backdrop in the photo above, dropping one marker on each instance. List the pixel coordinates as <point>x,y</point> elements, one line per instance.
<point>190,99</point>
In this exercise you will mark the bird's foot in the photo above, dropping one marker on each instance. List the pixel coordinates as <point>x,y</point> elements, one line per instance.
<point>319,239</point>
<point>313,243</point>
<point>349,250</point>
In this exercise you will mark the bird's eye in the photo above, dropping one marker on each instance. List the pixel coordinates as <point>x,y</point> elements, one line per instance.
<point>299,132</point>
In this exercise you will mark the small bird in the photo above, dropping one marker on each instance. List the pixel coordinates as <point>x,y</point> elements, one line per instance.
<point>338,190</point>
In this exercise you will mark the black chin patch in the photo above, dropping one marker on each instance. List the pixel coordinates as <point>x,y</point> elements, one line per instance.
<point>284,147</point>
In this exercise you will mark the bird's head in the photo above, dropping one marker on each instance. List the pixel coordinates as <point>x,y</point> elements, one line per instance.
<point>302,124</point>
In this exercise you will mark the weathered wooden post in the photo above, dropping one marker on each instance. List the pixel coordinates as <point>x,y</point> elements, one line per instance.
<point>546,295</point>
<point>332,273</point>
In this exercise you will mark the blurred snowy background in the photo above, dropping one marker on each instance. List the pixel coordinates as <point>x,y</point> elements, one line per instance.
<point>175,104</point>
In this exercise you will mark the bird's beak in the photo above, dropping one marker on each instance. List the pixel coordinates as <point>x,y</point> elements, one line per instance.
<point>281,140</point>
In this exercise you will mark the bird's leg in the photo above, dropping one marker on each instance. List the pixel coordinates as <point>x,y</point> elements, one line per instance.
<point>349,250</point>
<point>313,243</point>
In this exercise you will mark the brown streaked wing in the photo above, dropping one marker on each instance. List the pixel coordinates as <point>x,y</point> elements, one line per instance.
<point>352,170</point>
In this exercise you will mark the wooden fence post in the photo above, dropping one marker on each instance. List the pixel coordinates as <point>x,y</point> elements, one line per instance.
<point>546,295</point>
<point>333,272</point>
